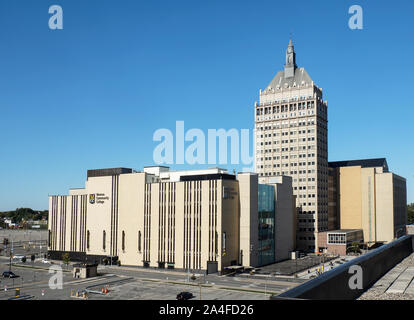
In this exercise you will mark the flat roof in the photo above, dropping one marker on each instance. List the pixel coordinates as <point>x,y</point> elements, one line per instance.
<point>344,231</point>
<point>364,163</point>
<point>107,172</point>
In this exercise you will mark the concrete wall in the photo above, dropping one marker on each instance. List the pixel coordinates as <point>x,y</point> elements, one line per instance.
<point>385,204</point>
<point>131,217</point>
<point>284,219</point>
<point>230,223</point>
<point>334,284</point>
<point>350,198</point>
<point>249,228</point>
<point>368,207</point>
<point>374,201</point>
<point>98,217</point>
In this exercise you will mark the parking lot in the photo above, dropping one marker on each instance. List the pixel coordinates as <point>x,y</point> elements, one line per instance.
<point>124,282</point>
<point>23,242</point>
<point>149,290</point>
<point>290,267</point>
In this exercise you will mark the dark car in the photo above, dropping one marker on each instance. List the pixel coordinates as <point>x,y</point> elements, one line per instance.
<point>9,274</point>
<point>184,296</point>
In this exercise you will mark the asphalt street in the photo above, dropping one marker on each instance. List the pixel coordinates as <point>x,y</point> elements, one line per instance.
<point>134,283</point>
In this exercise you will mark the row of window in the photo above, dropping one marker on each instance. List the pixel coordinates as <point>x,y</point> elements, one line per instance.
<point>292,124</point>
<point>286,141</point>
<point>299,148</point>
<point>88,240</point>
<point>291,156</point>
<point>285,108</point>
<point>308,238</point>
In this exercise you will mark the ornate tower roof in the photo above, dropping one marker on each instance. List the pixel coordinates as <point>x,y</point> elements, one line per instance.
<point>291,76</point>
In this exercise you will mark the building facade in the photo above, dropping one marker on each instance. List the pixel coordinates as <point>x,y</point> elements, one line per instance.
<point>291,123</point>
<point>366,196</point>
<point>338,242</point>
<point>267,220</point>
<point>189,220</point>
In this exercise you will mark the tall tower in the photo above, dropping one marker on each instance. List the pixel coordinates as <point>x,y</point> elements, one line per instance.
<point>291,121</point>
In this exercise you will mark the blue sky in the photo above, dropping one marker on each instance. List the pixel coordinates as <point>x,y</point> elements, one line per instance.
<point>92,95</point>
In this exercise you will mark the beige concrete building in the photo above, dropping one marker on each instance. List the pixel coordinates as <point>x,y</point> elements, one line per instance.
<point>196,220</point>
<point>365,195</point>
<point>267,220</point>
<point>291,122</point>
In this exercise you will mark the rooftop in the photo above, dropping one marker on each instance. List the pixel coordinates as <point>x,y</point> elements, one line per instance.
<point>364,163</point>
<point>300,79</point>
<point>108,172</point>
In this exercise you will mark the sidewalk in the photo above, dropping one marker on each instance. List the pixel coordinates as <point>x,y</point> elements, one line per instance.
<point>396,284</point>
<point>138,269</point>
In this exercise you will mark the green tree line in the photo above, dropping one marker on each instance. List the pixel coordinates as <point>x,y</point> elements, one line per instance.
<point>410,213</point>
<point>24,214</point>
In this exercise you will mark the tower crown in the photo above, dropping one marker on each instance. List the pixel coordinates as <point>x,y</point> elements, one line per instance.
<point>290,65</point>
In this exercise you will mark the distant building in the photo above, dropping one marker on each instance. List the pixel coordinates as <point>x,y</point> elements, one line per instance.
<point>195,219</point>
<point>338,241</point>
<point>364,195</point>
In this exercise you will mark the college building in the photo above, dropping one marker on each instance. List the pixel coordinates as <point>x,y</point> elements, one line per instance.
<point>191,220</point>
<point>364,195</point>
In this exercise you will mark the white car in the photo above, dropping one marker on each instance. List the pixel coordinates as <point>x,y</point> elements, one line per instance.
<point>18,257</point>
<point>45,261</point>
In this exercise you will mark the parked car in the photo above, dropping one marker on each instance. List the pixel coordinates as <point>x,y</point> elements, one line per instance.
<point>18,257</point>
<point>9,274</point>
<point>184,296</point>
<point>45,261</point>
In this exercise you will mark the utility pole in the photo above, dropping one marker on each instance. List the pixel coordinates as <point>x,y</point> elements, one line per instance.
<point>40,245</point>
<point>11,254</point>
<point>296,265</point>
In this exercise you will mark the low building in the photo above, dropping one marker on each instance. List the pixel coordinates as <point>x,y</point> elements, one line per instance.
<point>267,219</point>
<point>364,195</point>
<point>337,242</point>
<point>84,270</point>
<point>409,229</point>
<point>191,220</point>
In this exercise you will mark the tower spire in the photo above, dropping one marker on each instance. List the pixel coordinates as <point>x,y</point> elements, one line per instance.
<point>290,65</point>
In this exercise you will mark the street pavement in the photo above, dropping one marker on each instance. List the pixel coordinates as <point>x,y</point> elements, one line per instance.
<point>135,283</point>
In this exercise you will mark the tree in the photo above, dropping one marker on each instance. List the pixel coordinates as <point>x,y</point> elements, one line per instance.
<point>410,213</point>
<point>66,258</point>
<point>354,247</point>
<point>24,259</point>
<point>33,257</point>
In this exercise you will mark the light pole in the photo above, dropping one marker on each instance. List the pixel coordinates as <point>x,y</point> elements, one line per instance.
<point>11,253</point>
<point>199,283</point>
<point>40,245</point>
<point>296,265</point>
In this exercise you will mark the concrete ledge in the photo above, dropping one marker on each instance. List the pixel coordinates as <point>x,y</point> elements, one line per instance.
<point>334,285</point>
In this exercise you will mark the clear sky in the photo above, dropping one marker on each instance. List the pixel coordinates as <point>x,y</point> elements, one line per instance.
<point>92,95</point>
